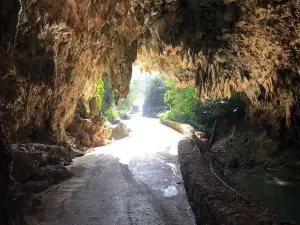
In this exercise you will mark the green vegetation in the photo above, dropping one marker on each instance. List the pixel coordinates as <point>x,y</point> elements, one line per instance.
<point>109,108</point>
<point>181,103</point>
<point>100,92</point>
<point>165,101</point>
<point>154,97</point>
<point>111,114</point>
<point>108,98</point>
<point>125,106</point>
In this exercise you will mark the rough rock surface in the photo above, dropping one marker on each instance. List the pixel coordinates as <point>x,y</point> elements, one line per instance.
<point>119,131</point>
<point>90,132</point>
<point>27,169</point>
<point>53,52</point>
<point>36,167</point>
<point>248,146</point>
<point>226,46</point>
<point>10,211</point>
<point>212,202</point>
<point>52,56</point>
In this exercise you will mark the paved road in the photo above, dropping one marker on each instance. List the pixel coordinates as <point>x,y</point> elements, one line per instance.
<point>134,181</point>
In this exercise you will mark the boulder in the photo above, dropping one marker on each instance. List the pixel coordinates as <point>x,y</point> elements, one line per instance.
<point>36,186</point>
<point>119,131</point>
<point>24,164</point>
<point>90,132</point>
<point>28,158</point>
<point>45,177</point>
<point>59,152</point>
<point>55,174</point>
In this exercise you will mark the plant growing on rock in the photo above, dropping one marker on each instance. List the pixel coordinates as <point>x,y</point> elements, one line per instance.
<point>100,92</point>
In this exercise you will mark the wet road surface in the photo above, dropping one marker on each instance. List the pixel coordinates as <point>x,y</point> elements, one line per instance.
<point>134,181</point>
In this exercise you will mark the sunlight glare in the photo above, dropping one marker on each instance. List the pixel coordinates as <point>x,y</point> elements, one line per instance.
<point>140,142</point>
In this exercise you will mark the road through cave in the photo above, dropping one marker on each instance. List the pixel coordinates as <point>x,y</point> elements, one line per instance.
<point>132,181</point>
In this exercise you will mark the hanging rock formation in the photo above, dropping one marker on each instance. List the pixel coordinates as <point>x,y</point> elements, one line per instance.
<point>223,47</point>
<point>53,52</point>
<point>52,56</point>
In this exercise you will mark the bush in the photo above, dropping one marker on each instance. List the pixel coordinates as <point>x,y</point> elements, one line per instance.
<point>182,104</point>
<point>154,111</point>
<point>111,114</point>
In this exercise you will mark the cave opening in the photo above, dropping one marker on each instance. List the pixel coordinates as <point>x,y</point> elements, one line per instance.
<point>230,80</point>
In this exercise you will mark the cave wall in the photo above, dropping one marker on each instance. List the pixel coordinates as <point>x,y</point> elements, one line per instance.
<point>53,52</point>
<point>231,46</point>
<point>52,56</point>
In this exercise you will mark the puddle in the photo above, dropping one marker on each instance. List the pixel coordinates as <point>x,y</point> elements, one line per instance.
<point>170,191</point>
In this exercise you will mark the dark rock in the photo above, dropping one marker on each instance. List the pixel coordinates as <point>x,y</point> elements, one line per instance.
<point>36,186</point>
<point>45,177</point>
<point>23,200</point>
<point>61,153</point>
<point>114,122</point>
<point>52,173</point>
<point>24,165</point>
<point>53,160</point>
<point>36,204</point>
<point>10,210</point>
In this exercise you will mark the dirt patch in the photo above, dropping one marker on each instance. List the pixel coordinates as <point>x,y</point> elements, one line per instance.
<point>212,202</point>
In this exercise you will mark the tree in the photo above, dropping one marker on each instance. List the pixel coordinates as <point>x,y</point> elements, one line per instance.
<point>181,103</point>
<point>154,101</point>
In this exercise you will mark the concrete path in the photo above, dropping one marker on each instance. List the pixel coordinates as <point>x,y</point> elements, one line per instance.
<point>134,181</point>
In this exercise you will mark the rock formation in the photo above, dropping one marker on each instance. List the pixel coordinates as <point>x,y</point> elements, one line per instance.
<point>53,52</point>
<point>52,56</point>
<point>119,131</point>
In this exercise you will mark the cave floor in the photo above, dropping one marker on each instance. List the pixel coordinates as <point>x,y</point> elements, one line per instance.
<point>135,180</point>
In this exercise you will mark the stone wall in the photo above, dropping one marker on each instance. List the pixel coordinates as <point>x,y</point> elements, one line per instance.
<point>212,202</point>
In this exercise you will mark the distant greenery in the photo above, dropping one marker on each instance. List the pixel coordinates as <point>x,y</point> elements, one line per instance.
<point>109,108</point>
<point>154,97</point>
<point>125,105</point>
<point>181,103</point>
<point>165,101</point>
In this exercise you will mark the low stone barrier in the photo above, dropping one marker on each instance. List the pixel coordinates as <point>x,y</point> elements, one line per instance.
<point>181,128</point>
<point>212,202</point>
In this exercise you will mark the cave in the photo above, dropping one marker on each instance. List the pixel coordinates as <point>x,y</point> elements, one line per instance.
<point>53,52</point>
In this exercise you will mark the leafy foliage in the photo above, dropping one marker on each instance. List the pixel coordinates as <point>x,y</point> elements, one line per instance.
<point>123,108</point>
<point>154,101</point>
<point>100,92</point>
<point>111,114</point>
<point>182,104</point>
<point>108,97</point>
